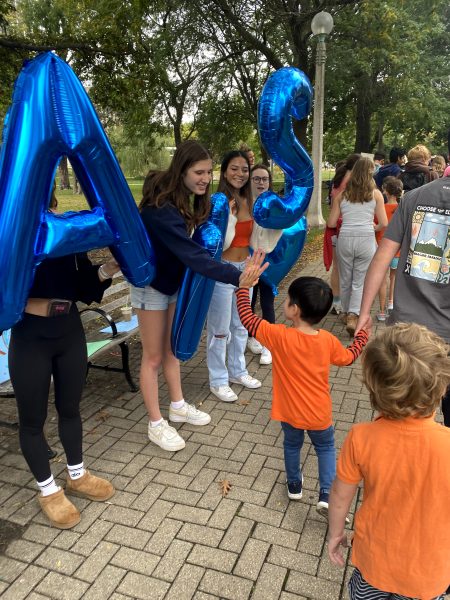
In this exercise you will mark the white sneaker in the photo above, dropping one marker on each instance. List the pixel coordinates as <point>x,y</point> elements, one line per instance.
<point>166,437</point>
<point>224,392</point>
<point>254,346</point>
<point>247,381</point>
<point>188,413</point>
<point>266,357</point>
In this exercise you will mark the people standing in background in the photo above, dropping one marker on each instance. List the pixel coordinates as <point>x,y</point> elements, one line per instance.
<point>417,171</point>
<point>341,177</point>
<point>378,160</point>
<point>393,192</point>
<point>357,204</point>
<point>397,160</point>
<point>249,152</point>
<point>261,181</point>
<point>438,165</point>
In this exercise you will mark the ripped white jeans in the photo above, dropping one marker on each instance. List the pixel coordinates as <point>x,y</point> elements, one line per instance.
<point>225,333</point>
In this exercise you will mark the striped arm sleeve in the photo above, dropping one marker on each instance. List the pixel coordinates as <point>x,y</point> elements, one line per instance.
<point>248,319</point>
<point>361,339</point>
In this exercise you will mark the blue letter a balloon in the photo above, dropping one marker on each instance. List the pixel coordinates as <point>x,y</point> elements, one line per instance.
<point>51,116</point>
<point>196,290</point>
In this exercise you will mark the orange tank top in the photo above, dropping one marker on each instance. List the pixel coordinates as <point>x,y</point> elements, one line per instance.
<point>242,236</point>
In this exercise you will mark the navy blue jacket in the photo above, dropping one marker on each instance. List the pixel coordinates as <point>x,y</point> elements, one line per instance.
<point>175,250</point>
<point>389,170</point>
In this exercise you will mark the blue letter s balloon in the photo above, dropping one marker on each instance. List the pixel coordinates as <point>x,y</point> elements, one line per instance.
<point>287,93</point>
<point>196,290</point>
<point>50,116</point>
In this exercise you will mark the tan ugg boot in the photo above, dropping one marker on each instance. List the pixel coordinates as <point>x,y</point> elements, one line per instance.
<point>59,510</point>
<point>91,487</point>
<point>352,320</point>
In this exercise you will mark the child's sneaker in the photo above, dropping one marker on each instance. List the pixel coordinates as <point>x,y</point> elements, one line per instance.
<point>390,307</point>
<point>294,489</point>
<point>322,505</point>
<point>381,316</point>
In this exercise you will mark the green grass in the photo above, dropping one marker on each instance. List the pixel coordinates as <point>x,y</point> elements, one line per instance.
<point>67,200</point>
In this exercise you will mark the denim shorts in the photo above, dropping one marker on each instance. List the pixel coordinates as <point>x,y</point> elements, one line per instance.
<point>394,262</point>
<point>147,298</point>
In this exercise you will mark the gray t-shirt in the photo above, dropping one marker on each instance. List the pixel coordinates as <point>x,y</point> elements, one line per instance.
<point>421,224</point>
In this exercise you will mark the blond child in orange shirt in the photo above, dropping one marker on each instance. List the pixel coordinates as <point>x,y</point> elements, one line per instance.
<point>301,359</point>
<point>401,544</point>
<point>393,192</point>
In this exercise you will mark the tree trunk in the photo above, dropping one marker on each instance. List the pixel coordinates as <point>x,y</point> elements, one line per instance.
<point>64,181</point>
<point>76,185</point>
<point>377,143</point>
<point>363,114</point>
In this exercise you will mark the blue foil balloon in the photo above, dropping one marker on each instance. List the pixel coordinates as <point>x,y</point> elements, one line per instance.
<point>196,290</point>
<point>286,94</point>
<point>51,116</point>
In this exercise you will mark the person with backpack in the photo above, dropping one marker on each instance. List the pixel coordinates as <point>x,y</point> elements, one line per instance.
<point>397,159</point>
<point>417,171</point>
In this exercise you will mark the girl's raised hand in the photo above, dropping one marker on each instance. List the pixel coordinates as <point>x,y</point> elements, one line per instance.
<point>253,268</point>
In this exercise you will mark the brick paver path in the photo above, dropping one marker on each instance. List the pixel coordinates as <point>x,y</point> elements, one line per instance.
<point>168,532</point>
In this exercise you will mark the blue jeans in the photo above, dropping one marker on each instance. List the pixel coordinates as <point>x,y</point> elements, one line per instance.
<point>323,442</point>
<point>225,332</point>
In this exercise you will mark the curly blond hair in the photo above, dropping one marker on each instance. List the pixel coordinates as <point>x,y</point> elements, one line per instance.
<point>406,370</point>
<point>419,152</point>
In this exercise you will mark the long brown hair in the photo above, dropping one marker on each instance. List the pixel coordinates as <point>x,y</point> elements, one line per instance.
<point>226,188</point>
<point>167,187</point>
<point>361,184</point>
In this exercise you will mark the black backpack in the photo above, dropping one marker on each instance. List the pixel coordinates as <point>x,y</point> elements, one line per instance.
<point>413,179</point>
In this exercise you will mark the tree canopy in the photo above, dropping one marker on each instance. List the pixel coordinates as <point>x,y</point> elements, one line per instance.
<point>155,68</point>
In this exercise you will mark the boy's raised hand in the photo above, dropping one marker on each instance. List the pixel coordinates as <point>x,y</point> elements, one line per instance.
<point>253,268</point>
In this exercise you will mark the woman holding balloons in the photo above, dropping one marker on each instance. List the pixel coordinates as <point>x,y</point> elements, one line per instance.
<point>225,330</point>
<point>174,202</point>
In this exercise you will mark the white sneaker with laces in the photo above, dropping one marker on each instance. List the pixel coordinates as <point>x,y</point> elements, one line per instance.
<point>224,392</point>
<point>166,437</point>
<point>188,413</point>
<point>254,346</point>
<point>266,357</point>
<point>247,381</point>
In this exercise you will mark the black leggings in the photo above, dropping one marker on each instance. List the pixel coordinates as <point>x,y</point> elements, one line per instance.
<point>39,348</point>
<point>266,300</point>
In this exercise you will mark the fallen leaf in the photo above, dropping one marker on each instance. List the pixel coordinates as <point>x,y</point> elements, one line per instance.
<point>225,486</point>
<point>244,402</point>
<point>102,415</point>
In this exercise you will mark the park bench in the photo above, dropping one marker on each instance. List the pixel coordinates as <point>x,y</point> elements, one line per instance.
<point>103,332</point>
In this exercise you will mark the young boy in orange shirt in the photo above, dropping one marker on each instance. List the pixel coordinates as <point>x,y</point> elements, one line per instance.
<point>401,545</point>
<point>301,357</point>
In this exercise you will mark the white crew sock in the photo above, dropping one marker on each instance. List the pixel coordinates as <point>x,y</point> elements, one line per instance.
<point>48,486</point>
<point>156,423</point>
<point>177,405</point>
<point>76,471</point>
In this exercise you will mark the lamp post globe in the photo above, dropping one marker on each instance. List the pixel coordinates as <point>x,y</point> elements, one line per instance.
<point>321,26</point>
<point>322,23</point>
